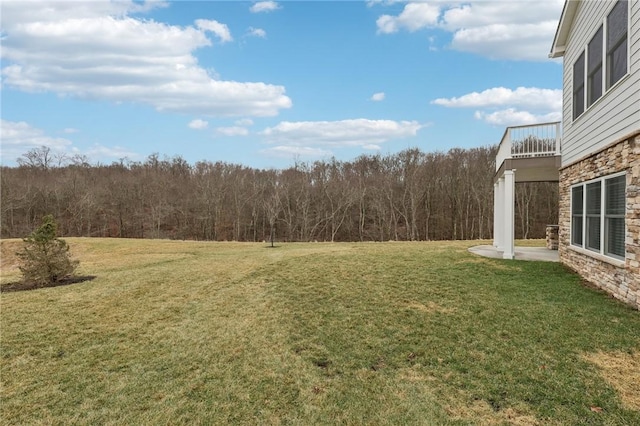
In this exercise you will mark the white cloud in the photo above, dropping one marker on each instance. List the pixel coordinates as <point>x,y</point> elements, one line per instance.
<point>232,131</point>
<point>245,122</point>
<point>264,6</point>
<point>70,130</point>
<point>513,117</point>
<point>198,124</point>
<point>372,147</point>
<point>99,152</point>
<point>377,97</point>
<point>517,30</point>
<point>528,97</point>
<point>257,32</point>
<point>220,30</point>
<point>296,151</point>
<point>18,137</point>
<point>505,107</point>
<point>122,59</point>
<point>357,132</point>
<point>52,10</point>
<point>507,41</point>
<point>415,16</point>
<point>317,139</point>
<point>480,13</point>
<point>371,3</point>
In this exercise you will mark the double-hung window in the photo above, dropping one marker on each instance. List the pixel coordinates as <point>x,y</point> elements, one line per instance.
<point>594,68</point>
<point>604,61</point>
<point>614,216</point>
<point>597,215</point>
<point>577,214</point>
<point>617,28</point>
<point>578,87</point>
<point>594,210</point>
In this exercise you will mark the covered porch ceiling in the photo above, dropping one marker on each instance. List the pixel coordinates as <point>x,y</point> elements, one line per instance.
<point>532,169</point>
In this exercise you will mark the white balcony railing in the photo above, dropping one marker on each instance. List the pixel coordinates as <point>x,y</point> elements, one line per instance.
<point>536,140</point>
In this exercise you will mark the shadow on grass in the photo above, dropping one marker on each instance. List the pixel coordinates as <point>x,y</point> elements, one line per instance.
<point>25,286</point>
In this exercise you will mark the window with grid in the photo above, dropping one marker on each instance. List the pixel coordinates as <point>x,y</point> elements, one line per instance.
<point>578,86</point>
<point>614,216</point>
<point>617,23</point>
<point>577,204</point>
<point>598,216</point>
<point>594,68</point>
<point>593,204</point>
<point>604,61</point>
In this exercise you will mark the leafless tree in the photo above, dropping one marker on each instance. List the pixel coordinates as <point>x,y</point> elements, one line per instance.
<point>410,195</point>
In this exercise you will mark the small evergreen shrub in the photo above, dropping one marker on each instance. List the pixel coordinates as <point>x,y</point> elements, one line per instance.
<point>45,259</point>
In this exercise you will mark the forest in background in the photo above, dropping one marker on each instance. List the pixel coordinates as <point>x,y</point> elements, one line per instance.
<point>407,196</point>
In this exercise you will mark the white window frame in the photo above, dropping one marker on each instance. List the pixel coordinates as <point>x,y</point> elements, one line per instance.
<point>601,253</point>
<point>575,113</point>
<point>572,236</point>
<point>603,63</point>
<point>605,70</point>
<point>605,58</point>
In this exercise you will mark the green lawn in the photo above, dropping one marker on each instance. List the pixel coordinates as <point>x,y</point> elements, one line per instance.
<point>175,332</point>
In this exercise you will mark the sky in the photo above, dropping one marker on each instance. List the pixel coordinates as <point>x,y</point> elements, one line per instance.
<point>266,84</point>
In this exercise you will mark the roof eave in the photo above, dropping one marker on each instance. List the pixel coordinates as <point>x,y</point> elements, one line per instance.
<point>564,26</point>
<point>557,52</point>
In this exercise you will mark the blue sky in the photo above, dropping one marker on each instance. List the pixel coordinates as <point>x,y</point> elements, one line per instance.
<point>268,83</point>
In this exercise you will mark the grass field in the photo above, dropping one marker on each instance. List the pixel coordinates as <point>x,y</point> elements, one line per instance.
<point>375,333</point>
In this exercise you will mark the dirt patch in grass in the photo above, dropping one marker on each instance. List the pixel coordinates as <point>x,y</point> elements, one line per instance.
<point>415,375</point>
<point>622,371</point>
<point>483,413</point>
<point>25,286</point>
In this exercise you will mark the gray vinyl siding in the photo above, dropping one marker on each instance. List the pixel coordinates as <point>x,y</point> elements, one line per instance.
<point>617,112</point>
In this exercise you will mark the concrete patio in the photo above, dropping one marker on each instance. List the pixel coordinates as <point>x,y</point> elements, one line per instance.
<point>521,253</point>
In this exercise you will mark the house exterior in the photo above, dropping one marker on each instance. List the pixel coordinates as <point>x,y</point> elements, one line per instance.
<point>594,154</point>
<point>599,218</point>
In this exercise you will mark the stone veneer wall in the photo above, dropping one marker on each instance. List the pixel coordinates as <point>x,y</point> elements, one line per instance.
<point>621,282</point>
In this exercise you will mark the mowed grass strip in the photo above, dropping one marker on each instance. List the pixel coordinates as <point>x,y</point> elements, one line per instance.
<point>374,333</point>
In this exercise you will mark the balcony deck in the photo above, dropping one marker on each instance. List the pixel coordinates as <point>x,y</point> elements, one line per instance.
<point>526,154</point>
<point>532,150</point>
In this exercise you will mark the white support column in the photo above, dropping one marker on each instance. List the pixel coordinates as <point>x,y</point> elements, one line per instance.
<point>508,218</point>
<point>499,216</point>
<point>496,209</point>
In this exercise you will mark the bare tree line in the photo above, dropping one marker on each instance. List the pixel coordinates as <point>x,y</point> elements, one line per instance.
<point>410,195</point>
